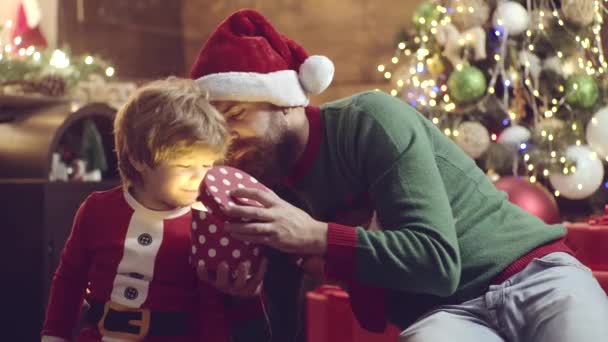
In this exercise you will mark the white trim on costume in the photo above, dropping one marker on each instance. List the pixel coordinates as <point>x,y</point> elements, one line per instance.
<point>47,338</point>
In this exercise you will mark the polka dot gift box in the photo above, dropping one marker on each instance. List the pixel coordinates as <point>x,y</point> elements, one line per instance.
<point>210,244</point>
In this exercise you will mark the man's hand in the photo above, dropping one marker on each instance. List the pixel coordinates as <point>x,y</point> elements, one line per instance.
<point>278,224</point>
<point>241,285</point>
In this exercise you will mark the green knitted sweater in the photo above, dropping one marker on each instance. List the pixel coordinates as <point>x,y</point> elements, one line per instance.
<point>446,230</point>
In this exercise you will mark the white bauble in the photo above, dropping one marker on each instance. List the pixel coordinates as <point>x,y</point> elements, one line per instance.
<point>597,132</point>
<point>554,64</point>
<point>528,58</point>
<point>512,16</point>
<point>473,138</point>
<point>579,12</point>
<point>587,178</point>
<point>513,136</point>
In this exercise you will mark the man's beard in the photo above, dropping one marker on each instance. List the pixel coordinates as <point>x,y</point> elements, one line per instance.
<point>268,159</point>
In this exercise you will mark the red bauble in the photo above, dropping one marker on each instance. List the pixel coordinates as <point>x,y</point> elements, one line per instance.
<point>533,198</point>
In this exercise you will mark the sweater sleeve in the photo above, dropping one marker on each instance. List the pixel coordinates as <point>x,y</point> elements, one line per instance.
<point>390,150</point>
<point>69,282</point>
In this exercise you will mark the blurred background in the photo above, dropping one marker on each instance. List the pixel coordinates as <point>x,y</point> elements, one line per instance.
<point>520,85</point>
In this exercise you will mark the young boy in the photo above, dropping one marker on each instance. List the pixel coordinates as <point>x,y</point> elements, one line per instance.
<point>128,251</point>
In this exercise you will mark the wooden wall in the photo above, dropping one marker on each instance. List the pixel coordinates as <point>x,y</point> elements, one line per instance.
<point>142,38</point>
<point>155,38</point>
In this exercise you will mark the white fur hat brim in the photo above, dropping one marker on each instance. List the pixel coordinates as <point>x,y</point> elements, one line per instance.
<point>281,88</point>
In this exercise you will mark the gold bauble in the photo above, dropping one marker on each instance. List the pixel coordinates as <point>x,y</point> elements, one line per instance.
<point>473,138</point>
<point>550,125</point>
<point>435,65</point>
<point>469,13</point>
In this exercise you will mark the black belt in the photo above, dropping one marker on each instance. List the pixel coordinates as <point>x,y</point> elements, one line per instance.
<point>120,321</point>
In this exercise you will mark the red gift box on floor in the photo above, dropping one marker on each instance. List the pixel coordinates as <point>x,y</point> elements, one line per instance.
<point>329,318</point>
<point>211,245</point>
<point>589,241</point>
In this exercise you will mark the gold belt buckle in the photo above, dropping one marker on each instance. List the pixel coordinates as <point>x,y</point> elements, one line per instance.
<point>143,323</point>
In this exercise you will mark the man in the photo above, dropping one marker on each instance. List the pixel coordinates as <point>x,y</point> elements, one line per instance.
<point>453,260</point>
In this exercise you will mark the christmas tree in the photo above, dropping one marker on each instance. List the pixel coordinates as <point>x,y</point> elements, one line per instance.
<point>520,85</point>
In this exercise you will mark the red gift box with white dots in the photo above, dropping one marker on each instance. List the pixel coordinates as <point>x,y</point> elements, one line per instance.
<point>211,245</point>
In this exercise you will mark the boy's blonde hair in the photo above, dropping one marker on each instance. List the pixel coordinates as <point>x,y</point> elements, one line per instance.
<point>162,118</point>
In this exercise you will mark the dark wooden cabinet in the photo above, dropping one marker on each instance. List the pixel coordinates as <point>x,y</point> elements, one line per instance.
<point>36,218</point>
<point>36,214</point>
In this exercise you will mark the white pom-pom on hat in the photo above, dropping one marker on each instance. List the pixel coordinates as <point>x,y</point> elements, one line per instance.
<point>316,73</point>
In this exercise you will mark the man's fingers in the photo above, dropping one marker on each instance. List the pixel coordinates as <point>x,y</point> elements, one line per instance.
<point>247,212</point>
<point>254,284</point>
<point>201,271</point>
<point>253,228</point>
<point>265,198</point>
<point>223,276</point>
<point>257,239</point>
<point>242,273</point>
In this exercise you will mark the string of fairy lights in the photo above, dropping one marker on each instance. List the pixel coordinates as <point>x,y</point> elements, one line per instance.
<point>15,49</point>
<point>418,75</point>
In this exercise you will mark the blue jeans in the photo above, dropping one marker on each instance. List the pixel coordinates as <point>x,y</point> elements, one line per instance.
<point>553,299</point>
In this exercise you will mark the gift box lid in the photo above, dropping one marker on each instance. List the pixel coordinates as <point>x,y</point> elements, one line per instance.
<point>217,184</point>
<point>599,222</point>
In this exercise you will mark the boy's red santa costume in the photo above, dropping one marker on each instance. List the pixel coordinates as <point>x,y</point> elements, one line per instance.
<point>133,258</point>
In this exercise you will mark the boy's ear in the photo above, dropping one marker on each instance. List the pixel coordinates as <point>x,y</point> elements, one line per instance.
<point>139,166</point>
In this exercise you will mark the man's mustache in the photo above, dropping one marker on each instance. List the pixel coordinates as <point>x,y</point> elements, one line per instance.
<point>236,148</point>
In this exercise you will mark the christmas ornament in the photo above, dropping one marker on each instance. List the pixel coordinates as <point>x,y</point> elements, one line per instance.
<point>579,12</point>
<point>97,89</point>
<point>467,84</point>
<point>533,198</point>
<point>581,91</point>
<point>27,25</point>
<point>549,125</point>
<point>473,138</point>
<point>92,150</point>
<point>211,245</point>
<point>401,75</point>
<point>517,107</point>
<point>560,66</point>
<point>425,14</point>
<point>435,65</point>
<point>597,132</point>
<point>512,17</point>
<point>52,85</point>
<point>531,61</point>
<point>585,180</point>
<point>513,136</point>
<point>554,64</point>
<point>469,13</point>
<point>453,41</point>
<point>47,85</point>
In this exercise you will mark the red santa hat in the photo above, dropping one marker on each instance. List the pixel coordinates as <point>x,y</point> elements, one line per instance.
<point>247,60</point>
